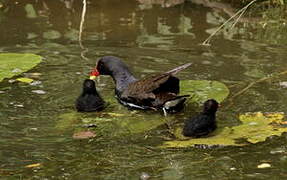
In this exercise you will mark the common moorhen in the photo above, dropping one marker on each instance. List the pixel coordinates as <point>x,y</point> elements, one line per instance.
<point>204,123</point>
<point>154,92</point>
<point>89,100</point>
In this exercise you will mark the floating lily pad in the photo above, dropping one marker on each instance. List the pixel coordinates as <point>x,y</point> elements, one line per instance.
<point>256,127</point>
<point>13,64</point>
<point>202,90</point>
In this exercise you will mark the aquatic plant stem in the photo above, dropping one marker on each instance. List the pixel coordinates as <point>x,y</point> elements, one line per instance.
<point>240,13</point>
<point>258,81</point>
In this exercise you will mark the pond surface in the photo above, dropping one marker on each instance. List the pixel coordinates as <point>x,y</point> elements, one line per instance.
<point>38,128</point>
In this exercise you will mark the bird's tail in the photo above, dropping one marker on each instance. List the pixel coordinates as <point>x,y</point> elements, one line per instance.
<point>177,69</point>
<point>175,103</point>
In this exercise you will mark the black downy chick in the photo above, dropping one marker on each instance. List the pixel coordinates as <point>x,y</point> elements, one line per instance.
<point>89,100</point>
<point>204,123</point>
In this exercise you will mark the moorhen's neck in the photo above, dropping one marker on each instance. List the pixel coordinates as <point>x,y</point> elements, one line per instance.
<point>210,107</point>
<point>122,78</point>
<point>89,91</point>
<point>209,111</point>
<point>89,87</point>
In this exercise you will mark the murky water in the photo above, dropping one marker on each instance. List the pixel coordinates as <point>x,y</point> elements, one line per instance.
<point>37,128</point>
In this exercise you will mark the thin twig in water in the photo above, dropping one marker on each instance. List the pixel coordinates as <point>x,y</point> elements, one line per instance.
<point>82,23</point>
<point>240,13</point>
<point>237,19</point>
<point>81,30</point>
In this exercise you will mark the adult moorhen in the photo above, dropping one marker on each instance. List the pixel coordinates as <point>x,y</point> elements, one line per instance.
<point>154,92</point>
<point>89,100</point>
<point>204,123</point>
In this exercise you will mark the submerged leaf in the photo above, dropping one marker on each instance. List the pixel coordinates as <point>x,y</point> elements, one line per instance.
<point>66,121</point>
<point>52,34</point>
<point>256,127</point>
<point>72,34</point>
<point>84,135</point>
<point>30,11</point>
<point>255,73</point>
<point>139,124</point>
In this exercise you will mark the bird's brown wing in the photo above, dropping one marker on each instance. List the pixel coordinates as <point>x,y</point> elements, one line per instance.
<point>147,88</point>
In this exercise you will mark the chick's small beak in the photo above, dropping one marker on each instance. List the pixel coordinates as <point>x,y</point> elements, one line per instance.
<point>94,73</point>
<point>93,77</point>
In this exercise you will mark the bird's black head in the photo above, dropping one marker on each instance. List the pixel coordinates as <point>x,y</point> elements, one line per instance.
<point>108,65</point>
<point>210,106</point>
<point>89,86</point>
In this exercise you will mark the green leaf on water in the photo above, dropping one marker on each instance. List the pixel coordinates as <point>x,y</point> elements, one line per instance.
<point>202,90</point>
<point>13,64</point>
<point>256,127</point>
<point>25,80</point>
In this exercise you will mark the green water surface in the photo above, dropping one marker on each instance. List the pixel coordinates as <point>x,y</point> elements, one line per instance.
<point>38,128</point>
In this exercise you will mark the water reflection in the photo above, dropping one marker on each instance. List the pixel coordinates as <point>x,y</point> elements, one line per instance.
<point>127,23</point>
